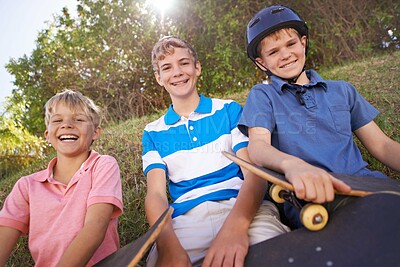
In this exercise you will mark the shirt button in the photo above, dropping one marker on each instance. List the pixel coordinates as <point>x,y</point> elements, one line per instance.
<point>191,127</point>
<point>194,139</point>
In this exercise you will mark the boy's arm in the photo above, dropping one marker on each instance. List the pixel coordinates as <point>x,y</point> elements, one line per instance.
<point>310,183</point>
<point>82,248</point>
<point>231,244</point>
<point>170,250</point>
<point>8,239</point>
<point>383,148</point>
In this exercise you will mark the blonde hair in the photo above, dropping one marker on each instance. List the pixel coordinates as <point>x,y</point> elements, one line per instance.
<point>277,35</point>
<point>74,101</point>
<point>165,46</point>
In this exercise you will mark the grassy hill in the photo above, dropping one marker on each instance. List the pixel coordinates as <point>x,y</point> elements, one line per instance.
<point>376,78</point>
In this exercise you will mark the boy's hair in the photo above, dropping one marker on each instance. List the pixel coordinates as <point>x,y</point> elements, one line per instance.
<point>74,101</point>
<point>165,46</point>
<point>276,35</point>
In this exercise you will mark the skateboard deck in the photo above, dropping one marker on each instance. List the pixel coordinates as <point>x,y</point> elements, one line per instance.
<point>132,253</point>
<point>315,216</point>
<point>364,233</point>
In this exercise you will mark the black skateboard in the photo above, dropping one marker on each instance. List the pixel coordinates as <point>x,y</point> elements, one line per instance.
<point>365,232</point>
<point>132,253</point>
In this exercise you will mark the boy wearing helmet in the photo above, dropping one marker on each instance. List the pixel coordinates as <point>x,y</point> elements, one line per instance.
<point>218,210</point>
<point>300,124</point>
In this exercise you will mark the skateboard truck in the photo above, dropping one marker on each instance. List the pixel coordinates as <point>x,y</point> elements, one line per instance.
<point>280,195</point>
<point>313,216</point>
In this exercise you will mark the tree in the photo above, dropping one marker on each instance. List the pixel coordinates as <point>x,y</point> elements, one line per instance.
<point>105,51</point>
<point>99,54</point>
<point>18,148</point>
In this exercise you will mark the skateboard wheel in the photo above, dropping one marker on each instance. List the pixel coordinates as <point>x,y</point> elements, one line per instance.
<point>274,192</point>
<point>314,216</point>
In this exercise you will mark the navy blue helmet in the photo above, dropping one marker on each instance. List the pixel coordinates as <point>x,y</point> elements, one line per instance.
<point>269,20</point>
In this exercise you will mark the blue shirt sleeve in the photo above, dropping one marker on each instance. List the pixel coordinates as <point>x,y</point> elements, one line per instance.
<point>150,156</point>
<point>362,112</point>
<point>257,111</point>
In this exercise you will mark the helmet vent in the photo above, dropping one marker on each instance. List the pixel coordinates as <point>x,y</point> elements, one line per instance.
<point>280,9</point>
<point>257,20</point>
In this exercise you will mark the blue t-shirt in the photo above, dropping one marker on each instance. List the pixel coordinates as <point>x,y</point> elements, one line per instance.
<point>320,131</point>
<point>189,150</point>
<point>314,122</point>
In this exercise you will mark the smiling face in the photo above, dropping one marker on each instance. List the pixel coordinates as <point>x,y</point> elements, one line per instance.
<point>283,53</point>
<point>178,73</point>
<point>70,132</point>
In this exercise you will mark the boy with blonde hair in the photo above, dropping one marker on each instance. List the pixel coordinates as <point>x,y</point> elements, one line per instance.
<point>70,210</point>
<point>300,124</point>
<point>218,209</point>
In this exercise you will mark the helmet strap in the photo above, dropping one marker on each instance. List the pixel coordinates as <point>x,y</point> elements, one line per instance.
<point>294,80</point>
<point>262,67</point>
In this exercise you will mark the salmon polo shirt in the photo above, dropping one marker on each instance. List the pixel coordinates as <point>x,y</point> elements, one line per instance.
<point>52,213</point>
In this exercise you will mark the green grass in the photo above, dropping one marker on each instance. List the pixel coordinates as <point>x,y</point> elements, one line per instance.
<point>376,78</point>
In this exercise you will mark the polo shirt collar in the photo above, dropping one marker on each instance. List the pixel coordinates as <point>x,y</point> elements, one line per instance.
<point>315,80</point>
<point>49,171</point>
<point>90,160</point>
<point>312,75</point>
<point>205,106</point>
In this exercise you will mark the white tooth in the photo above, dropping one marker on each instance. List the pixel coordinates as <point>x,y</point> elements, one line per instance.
<point>68,137</point>
<point>178,83</point>
<point>287,65</point>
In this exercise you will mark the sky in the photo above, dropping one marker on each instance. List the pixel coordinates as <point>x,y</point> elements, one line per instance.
<point>20,23</point>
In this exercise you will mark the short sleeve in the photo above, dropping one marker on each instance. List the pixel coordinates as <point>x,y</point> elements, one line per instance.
<point>150,157</point>
<point>15,212</point>
<point>106,185</point>
<point>257,111</point>
<point>239,140</point>
<point>362,112</point>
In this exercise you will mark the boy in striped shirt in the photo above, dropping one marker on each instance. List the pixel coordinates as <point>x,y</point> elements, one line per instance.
<point>213,221</point>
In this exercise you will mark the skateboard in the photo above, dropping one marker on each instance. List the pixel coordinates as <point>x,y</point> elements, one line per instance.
<point>364,233</point>
<point>132,253</point>
<point>315,216</point>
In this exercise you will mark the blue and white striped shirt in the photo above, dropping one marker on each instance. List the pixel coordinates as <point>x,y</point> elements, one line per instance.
<point>189,150</point>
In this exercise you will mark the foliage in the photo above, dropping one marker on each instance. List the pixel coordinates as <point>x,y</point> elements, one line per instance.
<point>349,29</point>
<point>18,148</point>
<point>100,53</point>
<point>105,51</point>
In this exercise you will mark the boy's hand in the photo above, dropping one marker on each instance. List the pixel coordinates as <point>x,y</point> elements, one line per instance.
<point>314,184</point>
<point>229,248</point>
